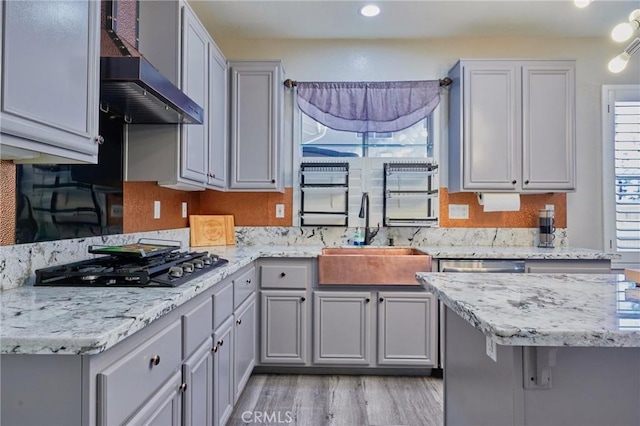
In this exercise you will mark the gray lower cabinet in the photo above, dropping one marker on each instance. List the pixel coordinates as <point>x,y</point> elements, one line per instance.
<point>164,408</point>
<point>223,388</point>
<point>283,326</point>
<point>198,377</point>
<point>342,327</point>
<point>407,329</point>
<point>244,344</point>
<point>133,380</point>
<point>50,81</point>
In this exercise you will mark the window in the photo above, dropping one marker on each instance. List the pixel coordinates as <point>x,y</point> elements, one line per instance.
<point>621,189</point>
<point>320,141</point>
<point>366,154</point>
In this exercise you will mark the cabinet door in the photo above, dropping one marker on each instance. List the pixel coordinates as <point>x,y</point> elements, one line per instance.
<point>50,77</point>
<point>223,373</point>
<point>195,84</point>
<point>256,115</point>
<point>197,375</point>
<point>218,123</point>
<point>341,328</point>
<point>407,333</point>
<point>244,356</point>
<point>164,407</point>
<point>548,125</point>
<point>283,322</point>
<point>491,125</point>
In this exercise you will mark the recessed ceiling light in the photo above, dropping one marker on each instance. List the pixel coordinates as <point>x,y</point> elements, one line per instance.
<point>370,10</point>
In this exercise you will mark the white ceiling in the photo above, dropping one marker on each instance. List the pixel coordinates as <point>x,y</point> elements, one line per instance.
<point>303,19</point>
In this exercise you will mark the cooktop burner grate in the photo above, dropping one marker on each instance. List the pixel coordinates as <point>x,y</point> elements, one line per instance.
<point>167,270</point>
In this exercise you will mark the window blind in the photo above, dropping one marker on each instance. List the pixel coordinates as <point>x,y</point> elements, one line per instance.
<point>627,175</point>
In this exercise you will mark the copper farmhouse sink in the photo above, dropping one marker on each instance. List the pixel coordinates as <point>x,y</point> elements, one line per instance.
<point>371,266</point>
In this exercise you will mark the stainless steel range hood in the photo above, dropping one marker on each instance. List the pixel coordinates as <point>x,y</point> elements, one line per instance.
<point>130,87</point>
<point>133,89</point>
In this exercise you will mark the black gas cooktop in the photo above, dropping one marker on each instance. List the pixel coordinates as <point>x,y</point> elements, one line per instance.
<point>161,269</point>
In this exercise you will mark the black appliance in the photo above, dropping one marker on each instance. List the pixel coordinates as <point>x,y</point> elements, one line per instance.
<point>133,265</point>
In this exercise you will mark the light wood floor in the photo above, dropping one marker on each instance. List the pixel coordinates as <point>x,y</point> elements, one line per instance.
<point>316,400</point>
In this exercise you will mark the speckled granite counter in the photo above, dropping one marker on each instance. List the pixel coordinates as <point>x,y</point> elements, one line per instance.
<point>45,320</point>
<point>542,310</point>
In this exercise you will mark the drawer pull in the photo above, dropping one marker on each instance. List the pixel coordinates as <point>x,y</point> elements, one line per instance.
<point>220,342</point>
<point>214,349</point>
<point>302,299</point>
<point>239,321</point>
<point>155,360</point>
<point>183,387</point>
<point>282,274</point>
<point>249,281</point>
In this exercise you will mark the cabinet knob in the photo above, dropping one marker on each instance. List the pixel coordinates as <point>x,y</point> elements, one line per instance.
<point>302,299</point>
<point>155,360</point>
<point>220,342</point>
<point>183,387</point>
<point>282,274</point>
<point>99,140</point>
<point>513,182</point>
<point>273,181</point>
<point>249,281</point>
<point>367,300</point>
<point>526,182</point>
<point>214,349</point>
<point>381,299</point>
<point>239,321</point>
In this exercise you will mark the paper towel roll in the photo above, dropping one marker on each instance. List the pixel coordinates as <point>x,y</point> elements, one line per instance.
<point>499,202</point>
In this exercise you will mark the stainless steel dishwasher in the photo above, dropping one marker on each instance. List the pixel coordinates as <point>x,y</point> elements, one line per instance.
<point>471,266</point>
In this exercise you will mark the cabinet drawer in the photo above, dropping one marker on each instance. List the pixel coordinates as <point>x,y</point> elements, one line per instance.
<point>196,326</point>
<point>222,303</point>
<point>284,276</point>
<point>243,286</point>
<point>126,384</point>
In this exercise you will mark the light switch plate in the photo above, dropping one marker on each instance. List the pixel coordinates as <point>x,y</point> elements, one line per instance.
<point>184,209</point>
<point>156,209</point>
<point>458,211</point>
<point>279,210</point>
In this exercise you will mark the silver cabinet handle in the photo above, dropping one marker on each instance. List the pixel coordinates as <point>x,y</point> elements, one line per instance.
<point>155,360</point>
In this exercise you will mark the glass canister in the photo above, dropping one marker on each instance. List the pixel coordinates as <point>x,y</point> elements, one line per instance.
<point>547,227</point>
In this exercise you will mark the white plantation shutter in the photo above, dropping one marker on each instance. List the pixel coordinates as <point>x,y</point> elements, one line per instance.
<point>621,137</point>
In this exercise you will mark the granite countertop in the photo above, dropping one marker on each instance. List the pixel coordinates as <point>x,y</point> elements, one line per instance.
<point>543,309</point>
<point>68,320</point>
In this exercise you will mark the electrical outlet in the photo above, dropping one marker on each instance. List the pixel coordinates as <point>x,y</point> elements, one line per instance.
<point>156,209</point>
<point>458,211</point>
<point>184,209</point>
<point>492,349</point>
<point>279,210</point>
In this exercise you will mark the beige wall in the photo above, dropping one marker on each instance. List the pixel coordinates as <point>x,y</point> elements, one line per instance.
<point>344,60</point>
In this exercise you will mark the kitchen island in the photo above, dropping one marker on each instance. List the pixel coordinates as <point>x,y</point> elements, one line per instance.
<point>539,349</point>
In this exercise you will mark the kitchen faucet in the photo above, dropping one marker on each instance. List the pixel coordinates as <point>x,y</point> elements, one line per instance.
<point>364,213</point>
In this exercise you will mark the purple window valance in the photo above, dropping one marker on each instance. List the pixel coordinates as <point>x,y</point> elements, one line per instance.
<point>368,106</point>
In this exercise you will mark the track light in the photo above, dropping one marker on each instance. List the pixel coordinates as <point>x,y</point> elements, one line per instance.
<point>624,31</point>
<point>582,3</point>
<point>619,63</point>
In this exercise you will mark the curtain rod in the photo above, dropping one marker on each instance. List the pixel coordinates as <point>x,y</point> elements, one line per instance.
<point>444,82</point>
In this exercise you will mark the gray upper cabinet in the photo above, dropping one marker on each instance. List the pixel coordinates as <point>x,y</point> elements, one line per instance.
<point>407,329</point>
<point>218,118</point>
<point>49,81</point>
<point>195,84</point>
<point>256,126</point>
<point>189,156</point>
<point>512,126</point>
<point>342,327</point>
